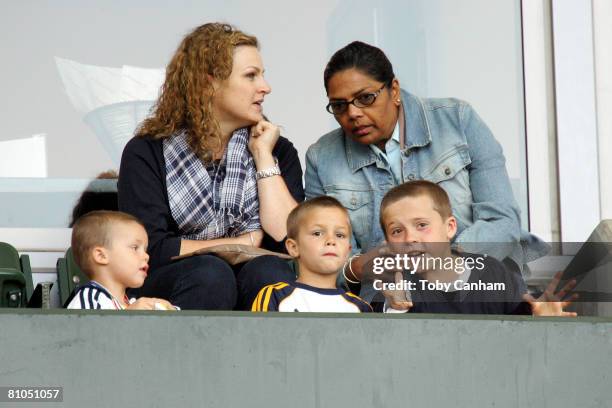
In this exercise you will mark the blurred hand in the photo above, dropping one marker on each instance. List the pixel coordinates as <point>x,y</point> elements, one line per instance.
<point>397,299</point>
<point>550,303</point>
<point>145,303</point>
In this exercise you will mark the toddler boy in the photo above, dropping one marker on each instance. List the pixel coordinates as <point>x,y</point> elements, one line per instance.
<point>110,248</point>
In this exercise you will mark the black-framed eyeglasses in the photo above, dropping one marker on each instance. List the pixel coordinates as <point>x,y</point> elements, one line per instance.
<point>361,101</point>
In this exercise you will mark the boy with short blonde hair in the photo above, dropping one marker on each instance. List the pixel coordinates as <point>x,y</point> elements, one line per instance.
<point>417,220</point>
<point>318,238</point>
<point>110,248</point>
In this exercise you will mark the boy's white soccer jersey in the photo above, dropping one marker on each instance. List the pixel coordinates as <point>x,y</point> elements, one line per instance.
<point>298,297</point>
<point>93,295</point>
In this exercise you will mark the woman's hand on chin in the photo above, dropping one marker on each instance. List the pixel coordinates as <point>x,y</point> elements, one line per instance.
<point>263,138</point>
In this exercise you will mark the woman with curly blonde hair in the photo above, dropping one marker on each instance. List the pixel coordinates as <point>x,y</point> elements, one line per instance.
<point>206,168</point>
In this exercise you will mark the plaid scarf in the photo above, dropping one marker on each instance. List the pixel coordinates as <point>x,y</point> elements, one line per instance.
<point>191,192</point>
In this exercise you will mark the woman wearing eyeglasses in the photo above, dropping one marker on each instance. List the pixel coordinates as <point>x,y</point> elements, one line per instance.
<point>388,136</point>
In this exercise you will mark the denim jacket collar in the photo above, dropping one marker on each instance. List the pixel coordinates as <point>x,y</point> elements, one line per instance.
<point>360,155</point>
<point>416,122</point>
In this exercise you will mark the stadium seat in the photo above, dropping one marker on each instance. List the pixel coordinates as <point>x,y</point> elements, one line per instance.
<point>16,285</point>
<point>69,276</point>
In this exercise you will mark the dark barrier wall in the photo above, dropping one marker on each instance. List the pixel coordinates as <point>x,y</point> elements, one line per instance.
<point>230,360</point>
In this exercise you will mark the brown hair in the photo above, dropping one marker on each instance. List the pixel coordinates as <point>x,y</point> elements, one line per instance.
<point>185,100</point>
<point>297,214</point>
<point>94,229</point>
<point>417,188</point>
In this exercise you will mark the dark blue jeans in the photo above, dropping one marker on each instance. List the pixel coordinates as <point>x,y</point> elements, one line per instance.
<point>206,282</point>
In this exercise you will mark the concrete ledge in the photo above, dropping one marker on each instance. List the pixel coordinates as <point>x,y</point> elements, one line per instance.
<point>231,359</point>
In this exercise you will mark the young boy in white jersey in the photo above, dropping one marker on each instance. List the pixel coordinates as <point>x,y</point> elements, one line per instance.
<point>110,247</point>
<point>416,218</point>
<point>318,238</point>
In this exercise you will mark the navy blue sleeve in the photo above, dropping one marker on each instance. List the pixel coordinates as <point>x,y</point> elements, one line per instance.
<point>269,297</point>
<point>362,305</point>
<point>291,169</point>
<point>143,194</point>
<point>512,302</point>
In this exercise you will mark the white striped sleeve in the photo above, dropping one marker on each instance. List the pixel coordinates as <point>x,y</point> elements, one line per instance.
<point>89,297</point>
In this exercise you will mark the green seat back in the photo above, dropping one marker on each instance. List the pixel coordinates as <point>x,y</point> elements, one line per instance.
<point>69,276</point>
<point>9,257</point>
<point>13,291</point>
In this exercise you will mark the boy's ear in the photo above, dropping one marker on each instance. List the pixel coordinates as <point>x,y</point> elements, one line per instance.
<point>99,255</point>
<point>292,247</point>
<point>451,227</point>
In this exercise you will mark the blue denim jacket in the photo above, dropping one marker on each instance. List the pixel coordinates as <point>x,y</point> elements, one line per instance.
<point>447,143</point>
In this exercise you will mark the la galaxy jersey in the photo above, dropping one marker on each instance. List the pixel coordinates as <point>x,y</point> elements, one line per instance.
<point>93,295</point>
<point>298,297</point>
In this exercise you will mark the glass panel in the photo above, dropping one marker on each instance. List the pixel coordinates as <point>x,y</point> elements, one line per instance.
<point>79,77</point>
<point>468,49</point>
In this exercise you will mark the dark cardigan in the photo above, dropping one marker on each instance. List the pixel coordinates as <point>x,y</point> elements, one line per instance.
<point>143,193</point>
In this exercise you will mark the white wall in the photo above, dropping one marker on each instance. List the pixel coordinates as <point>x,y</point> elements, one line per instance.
<point>145,34</point>
<point>540,119</point>
<point>576,118</point>
<point>602,38</point>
